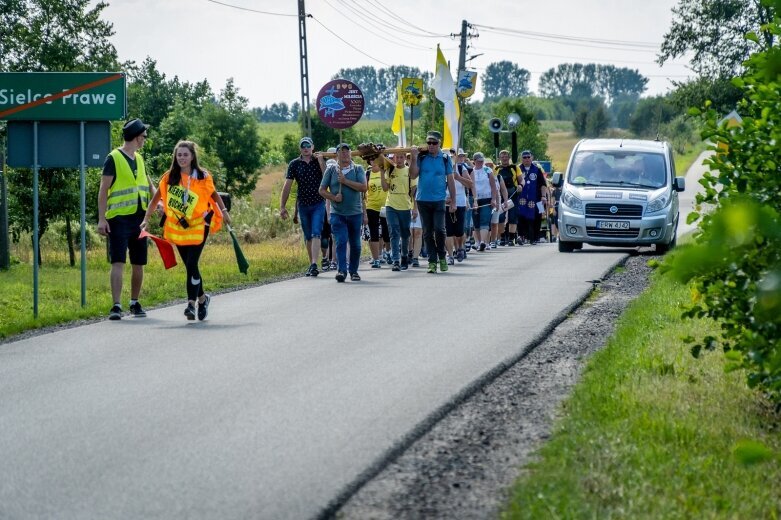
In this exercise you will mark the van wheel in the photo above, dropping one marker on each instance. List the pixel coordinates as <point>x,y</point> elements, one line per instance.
<point>664,248</point>
<point>566,247</point>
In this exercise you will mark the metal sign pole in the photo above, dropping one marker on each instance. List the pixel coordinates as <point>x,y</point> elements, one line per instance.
<point>83,218</point>
<point>35,219</point>
<point>5,254</point>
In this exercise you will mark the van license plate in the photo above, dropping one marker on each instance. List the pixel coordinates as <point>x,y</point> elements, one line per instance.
<point>612,224</point>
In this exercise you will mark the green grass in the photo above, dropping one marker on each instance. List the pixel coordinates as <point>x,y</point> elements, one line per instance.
<point>650,432</point>
<point>685,160</point>
<point>60,284</point>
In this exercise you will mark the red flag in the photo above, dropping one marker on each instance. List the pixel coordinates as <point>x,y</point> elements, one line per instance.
<point>165,248</point>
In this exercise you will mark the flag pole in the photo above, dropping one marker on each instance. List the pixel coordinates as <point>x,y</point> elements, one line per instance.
<point>411,120</point>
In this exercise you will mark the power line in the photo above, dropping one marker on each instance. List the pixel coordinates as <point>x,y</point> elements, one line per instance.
<point>629,43</point>
<point>427,33</point>
<point>251,10</point>
<point>377,22</point>
<point>411,45</point>
<point>346,42</point>
<point>581,42</point>
<point>568,57</point>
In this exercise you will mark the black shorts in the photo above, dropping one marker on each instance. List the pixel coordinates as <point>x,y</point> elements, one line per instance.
<point>454,222</point>
<point>124,237</point>
<point>377,226</point>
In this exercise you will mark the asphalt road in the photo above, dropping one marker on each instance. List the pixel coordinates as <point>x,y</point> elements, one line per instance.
<point>274,405</point>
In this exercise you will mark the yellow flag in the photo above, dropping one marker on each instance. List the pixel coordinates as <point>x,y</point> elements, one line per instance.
<point>445,91</point>
<point>398,120</point>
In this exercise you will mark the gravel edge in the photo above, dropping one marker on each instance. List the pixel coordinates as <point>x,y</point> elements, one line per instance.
<point>461,461</point>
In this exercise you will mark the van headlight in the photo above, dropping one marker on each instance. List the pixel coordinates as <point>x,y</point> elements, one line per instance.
<point>572,201</point>
<point>659,203</point>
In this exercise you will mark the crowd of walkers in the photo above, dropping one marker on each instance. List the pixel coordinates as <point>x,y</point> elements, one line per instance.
<point>428,207</point>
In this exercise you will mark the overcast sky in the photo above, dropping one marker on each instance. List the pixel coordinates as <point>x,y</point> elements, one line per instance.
<point>202,39</point>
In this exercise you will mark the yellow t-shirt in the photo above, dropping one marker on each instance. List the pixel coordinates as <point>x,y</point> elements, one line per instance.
<point>398,194</point>
<point>375,196</point>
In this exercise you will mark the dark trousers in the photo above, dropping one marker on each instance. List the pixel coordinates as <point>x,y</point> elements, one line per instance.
<point>432,219</point>
<point>190,257</point>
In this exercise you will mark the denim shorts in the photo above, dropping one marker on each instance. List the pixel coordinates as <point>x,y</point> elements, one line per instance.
<point>312,218</point>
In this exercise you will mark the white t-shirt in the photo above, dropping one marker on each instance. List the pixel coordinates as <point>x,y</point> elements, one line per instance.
<point>483,177</point>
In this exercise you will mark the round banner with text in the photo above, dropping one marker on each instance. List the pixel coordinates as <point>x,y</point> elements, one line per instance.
<point>340,104</point>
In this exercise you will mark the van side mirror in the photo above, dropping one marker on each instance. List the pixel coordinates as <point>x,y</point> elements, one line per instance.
<point>679,183</point>
<point>556,179</point>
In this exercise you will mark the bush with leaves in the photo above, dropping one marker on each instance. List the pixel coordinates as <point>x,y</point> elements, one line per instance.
<point>735,264</point>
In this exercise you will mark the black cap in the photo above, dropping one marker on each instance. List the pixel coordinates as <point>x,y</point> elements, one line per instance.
<point>342,145</point>
<point>434,135</point>
<point>133,129</point>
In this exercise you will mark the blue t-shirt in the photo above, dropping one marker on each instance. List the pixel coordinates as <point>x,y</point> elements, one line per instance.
<point>432,177</point>
<point>351,199</point>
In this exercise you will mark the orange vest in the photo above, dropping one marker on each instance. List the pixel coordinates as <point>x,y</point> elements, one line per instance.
<point>191,200</point>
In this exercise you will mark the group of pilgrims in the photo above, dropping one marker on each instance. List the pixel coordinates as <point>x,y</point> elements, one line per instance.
<point>423,206</point>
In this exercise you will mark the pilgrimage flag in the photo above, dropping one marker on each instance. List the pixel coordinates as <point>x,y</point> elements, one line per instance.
<point>445,91</point>
<point>241,260</point>
<point>165,248</point>
<point>398,120</point>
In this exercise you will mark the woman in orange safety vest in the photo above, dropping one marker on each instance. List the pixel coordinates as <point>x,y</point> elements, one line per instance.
<point>193,209</point>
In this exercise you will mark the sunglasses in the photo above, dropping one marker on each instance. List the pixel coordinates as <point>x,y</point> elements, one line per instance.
<point>432,142</point>
<point>526,156</point>
<point>306,145</point>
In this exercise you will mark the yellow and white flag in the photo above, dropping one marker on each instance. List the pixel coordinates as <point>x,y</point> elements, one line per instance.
<point>398,120</point>
<point>445,91</point>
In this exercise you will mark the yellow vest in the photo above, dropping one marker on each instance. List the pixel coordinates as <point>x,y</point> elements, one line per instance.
<point>124,194</point>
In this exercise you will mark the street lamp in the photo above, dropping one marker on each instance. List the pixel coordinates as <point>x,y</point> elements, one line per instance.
<point>495,126</point>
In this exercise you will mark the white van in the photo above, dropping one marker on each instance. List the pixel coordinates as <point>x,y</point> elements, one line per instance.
<point>619,193</point>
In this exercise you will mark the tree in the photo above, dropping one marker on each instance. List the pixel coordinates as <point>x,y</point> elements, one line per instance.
<point>576,82</point>
<point>721,92</point>
<point>650,114</point>
<point>230,131</point>
<point>379,86</point>
<point>712,31</point>
<point>505,79</point>
<point>44,36</point>
<point>591,119</point>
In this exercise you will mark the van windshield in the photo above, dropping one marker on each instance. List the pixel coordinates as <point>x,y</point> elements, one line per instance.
<point>618,168</point>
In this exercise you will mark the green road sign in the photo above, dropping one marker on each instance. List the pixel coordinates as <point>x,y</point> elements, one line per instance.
<point>75,96</point>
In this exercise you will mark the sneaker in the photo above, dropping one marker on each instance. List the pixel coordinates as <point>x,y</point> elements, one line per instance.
<point>376,264</point>
<point>203,308</point>
<point>308,271</point>
<point>493,245</point>
<point>432,268</point>
<point>465,255</point>
<point>355,277</point>
<point>333,266</point>
<point>415,262</point>
<point>313,270</point>
<point>450,261</point>
<point>476,248</point>
<point>324,265</point>
<point>519,241</point>
<point>115,313</point>
<point>502,243</point>
<point>511,243</point>
<point>482,246</point>
<point>460,255</point>
<point>388,258</point>
<point>137,311</point>
<point>341,276</point>
<point>443,265</point>
<point>396,266</point>
<point>404,266</point>
<point>189,311</point>
<point>409,255</point>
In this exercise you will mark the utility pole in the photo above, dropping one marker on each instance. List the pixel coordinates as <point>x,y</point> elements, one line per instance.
<point>306,122</point>
<point>462,49</point>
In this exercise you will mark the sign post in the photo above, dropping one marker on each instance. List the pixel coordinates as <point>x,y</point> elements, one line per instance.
<point>46,99</point>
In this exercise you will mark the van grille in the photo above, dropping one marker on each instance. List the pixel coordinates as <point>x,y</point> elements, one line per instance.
<point>625,211</point>
<point>612,233</point>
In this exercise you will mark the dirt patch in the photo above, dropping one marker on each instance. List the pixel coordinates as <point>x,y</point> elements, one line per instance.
<point>463,466</point>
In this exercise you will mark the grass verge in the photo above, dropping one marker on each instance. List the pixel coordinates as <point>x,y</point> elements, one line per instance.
<point>60,284</point>
<point>651,432</point>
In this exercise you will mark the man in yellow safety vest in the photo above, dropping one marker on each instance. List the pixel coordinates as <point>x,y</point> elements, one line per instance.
<point>123,197</point>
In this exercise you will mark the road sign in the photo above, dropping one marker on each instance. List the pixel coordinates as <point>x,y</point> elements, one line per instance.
<point>58,144</point>
<point>75,96</point>
<point>340,104</point>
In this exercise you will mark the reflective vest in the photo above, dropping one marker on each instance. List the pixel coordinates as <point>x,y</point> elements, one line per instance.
<point>189,200</point>
<point>124,194</point>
